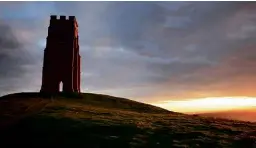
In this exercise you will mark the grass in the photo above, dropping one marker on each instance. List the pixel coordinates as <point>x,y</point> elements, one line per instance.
<point>93,121</point>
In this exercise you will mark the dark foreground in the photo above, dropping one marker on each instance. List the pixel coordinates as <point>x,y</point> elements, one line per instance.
<point>93,121</point>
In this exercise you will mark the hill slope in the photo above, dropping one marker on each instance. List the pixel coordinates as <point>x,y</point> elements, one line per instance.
<point>91,120</point>
<point>243,114</point>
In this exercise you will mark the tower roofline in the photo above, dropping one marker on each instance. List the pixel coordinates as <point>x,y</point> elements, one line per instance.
<point>63,17</point>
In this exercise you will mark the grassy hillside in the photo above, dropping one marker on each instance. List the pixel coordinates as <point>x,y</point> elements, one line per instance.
<point>242,115</point>
<point>92,120</point>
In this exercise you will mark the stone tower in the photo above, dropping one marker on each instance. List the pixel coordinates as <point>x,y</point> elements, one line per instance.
<point>61,56</point>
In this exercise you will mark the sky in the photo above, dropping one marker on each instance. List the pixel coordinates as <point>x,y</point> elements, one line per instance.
<point>170,54</point>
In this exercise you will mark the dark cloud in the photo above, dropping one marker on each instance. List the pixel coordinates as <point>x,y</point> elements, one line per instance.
<point>14,59</point>
<point>9,45</point>
<point>7,39</point>
<point>138,49</point>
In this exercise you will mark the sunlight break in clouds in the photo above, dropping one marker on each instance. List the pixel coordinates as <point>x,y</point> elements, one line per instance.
<point>208,104</point>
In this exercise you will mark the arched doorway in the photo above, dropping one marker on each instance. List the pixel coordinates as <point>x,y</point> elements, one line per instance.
<point>61,86</point>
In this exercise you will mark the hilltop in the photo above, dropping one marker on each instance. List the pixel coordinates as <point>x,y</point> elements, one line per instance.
<point>95,120</point>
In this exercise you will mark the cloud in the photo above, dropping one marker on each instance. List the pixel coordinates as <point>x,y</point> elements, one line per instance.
<point>147,51</point>
<point>9,45</point>
<point>13,60</point>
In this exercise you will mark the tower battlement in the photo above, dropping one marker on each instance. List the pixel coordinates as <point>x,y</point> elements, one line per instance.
<point>63,17</point>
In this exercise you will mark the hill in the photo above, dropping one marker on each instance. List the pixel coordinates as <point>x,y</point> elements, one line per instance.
<point>242,114</point>
<point>94,120</point>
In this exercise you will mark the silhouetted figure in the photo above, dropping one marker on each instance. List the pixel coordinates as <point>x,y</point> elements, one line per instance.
<point>61,56</point>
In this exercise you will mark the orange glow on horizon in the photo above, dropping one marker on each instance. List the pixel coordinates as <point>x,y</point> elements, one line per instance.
<point>210,104</point>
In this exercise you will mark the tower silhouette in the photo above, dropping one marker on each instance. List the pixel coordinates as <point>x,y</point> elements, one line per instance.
<point>61,56</point>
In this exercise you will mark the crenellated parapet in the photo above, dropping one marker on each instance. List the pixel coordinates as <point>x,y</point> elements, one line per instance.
<point>62,18</point>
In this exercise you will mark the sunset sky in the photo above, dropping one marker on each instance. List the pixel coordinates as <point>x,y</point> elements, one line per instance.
<point>183,56</point>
